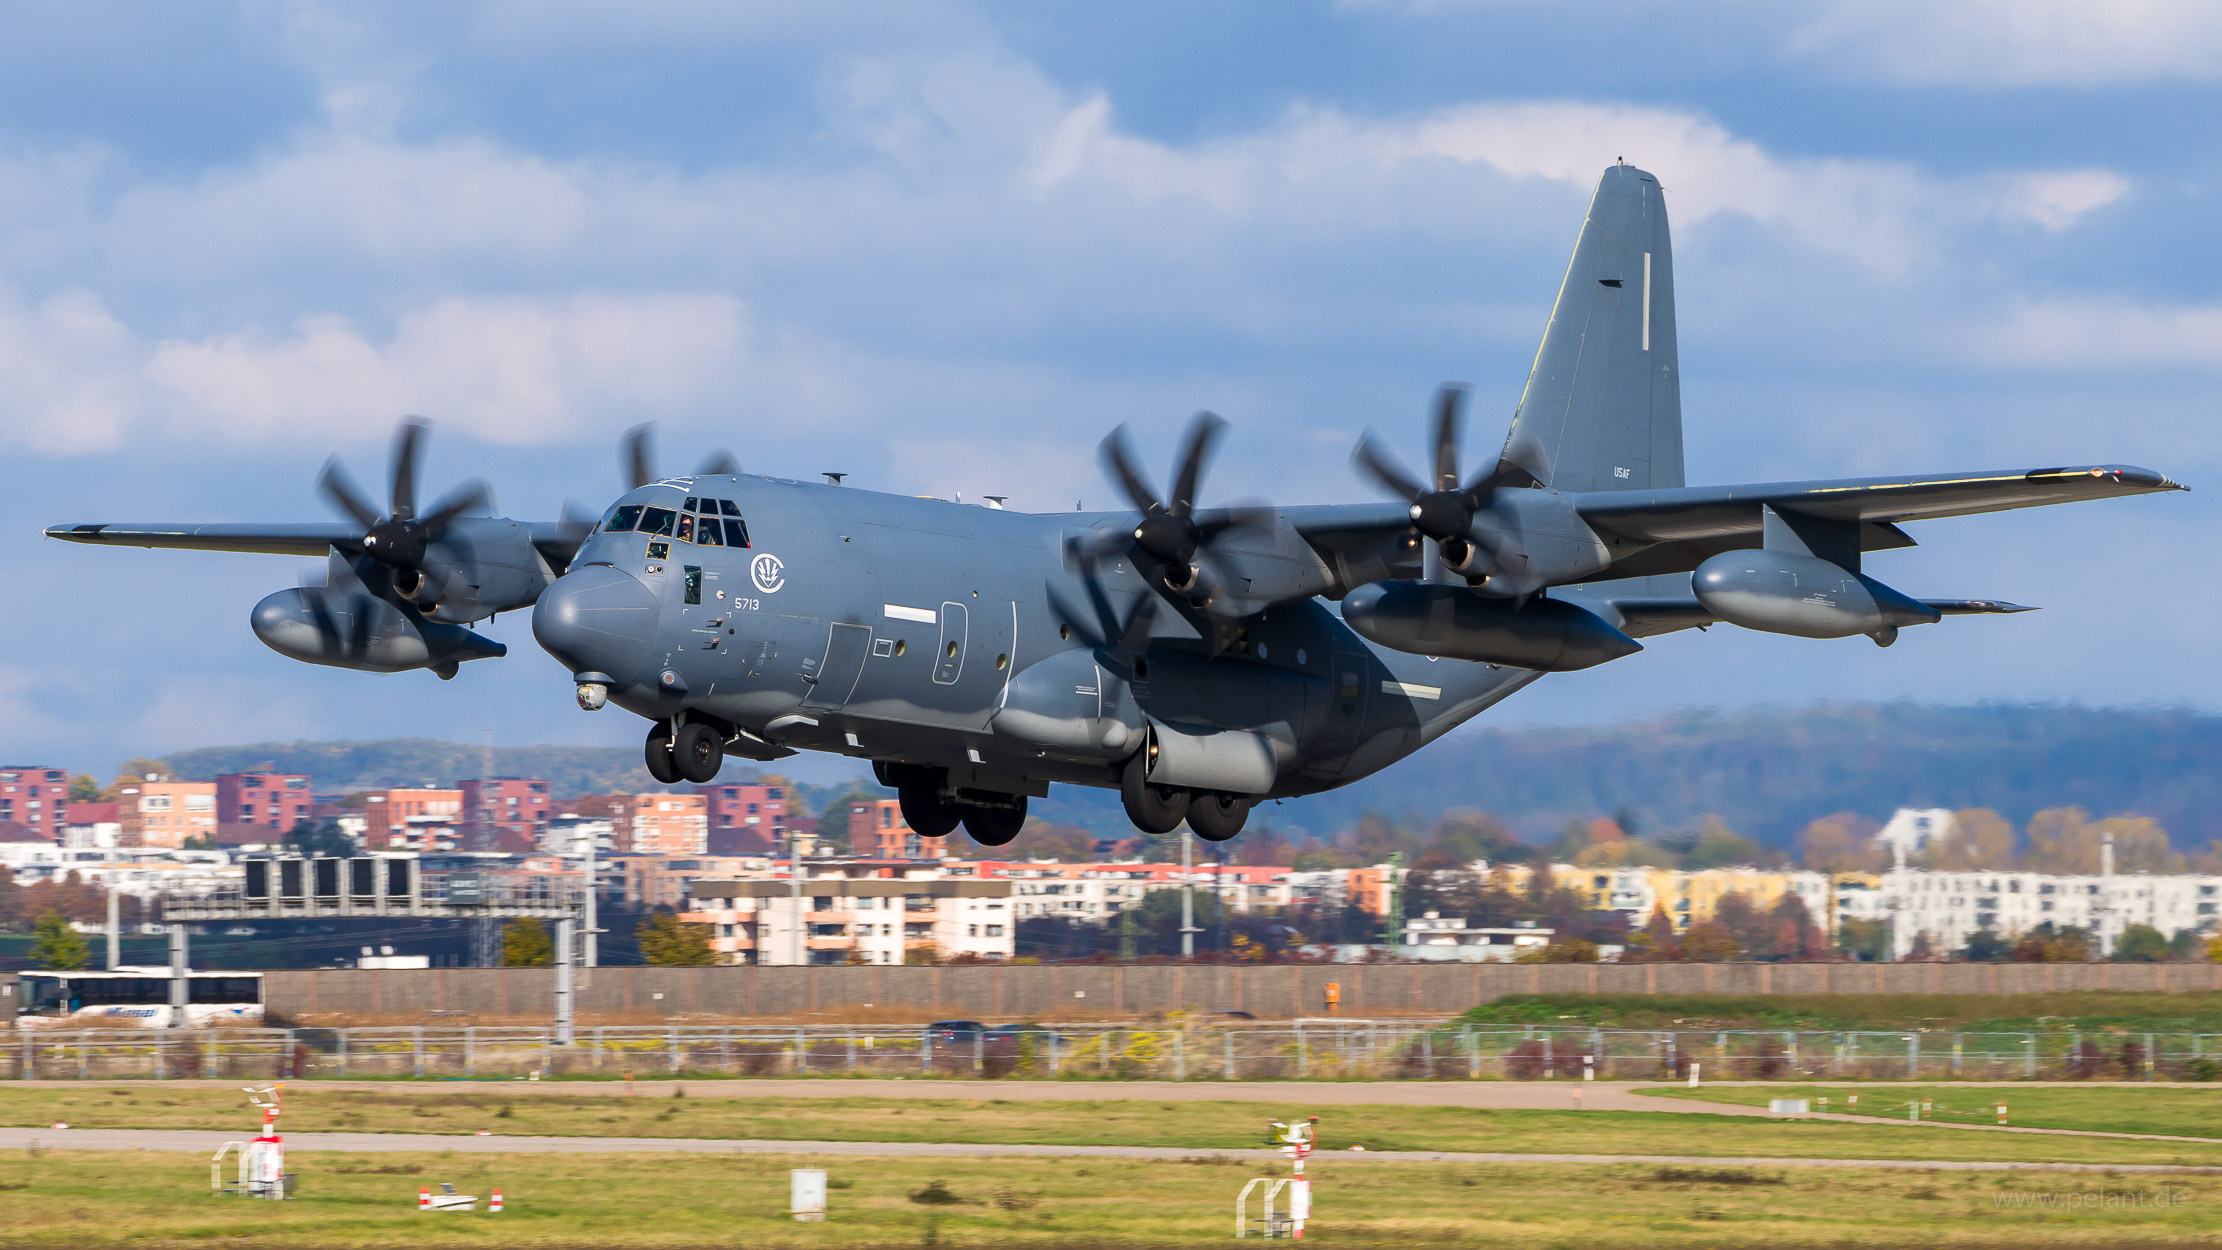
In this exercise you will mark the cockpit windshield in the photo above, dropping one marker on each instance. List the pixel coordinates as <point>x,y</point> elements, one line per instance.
<point>704,522</point>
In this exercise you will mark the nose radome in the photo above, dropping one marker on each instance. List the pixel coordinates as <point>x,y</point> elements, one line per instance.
<point>598,619</point>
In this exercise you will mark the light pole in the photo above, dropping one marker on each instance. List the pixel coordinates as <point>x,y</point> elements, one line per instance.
<point>1187,894</point>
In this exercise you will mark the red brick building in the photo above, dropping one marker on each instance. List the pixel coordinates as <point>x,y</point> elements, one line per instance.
<point>746,819</point>
<point>505,813</point>
<point>275,802</point>
<point>35,797</point>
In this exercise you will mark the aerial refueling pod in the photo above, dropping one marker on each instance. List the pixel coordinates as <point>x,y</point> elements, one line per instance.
<point>1427,618</point>
<point>358,630</point>
<point>1785,592</point>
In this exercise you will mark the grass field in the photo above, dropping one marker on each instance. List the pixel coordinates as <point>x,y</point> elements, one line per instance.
<point>70,1199</point>
<point>1202,1126</point>
<point>2189,1112</point>
<point>2090,1011</point>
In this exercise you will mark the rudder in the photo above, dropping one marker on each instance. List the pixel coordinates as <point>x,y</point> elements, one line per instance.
<point>1603,403</point>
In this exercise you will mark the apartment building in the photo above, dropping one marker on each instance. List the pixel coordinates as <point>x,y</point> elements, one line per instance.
<point>165,813</point>
<point>35,797</point>
<point>841,920</point>
<point>268,804</point>
<point>505,813</point>
<point>420,819</point>
<point>663,824</point>
<point>665,880</point>
<point>877,831</point>
<point>746,819</point>
<point>1951,907</point>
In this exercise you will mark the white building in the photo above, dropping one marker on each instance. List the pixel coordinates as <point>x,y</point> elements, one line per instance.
<point>1434,933</point>
<point>570,833</point>
<point>1912,830</point>
<point>876,920</point>
<point>1950,907</point>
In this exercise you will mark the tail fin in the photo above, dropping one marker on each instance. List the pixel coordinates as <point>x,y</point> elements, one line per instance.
<point>1603,405</point>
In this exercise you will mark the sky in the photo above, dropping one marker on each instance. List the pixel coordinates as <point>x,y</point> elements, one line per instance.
<point>946,247</point>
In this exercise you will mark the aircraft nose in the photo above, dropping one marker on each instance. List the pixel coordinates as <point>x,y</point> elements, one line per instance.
<point>599,619</point>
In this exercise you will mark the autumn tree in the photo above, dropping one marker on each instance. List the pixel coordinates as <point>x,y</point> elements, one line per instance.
<point>667,942</point>
<point>1843,842</point>
<point>58,947</point>
<point>1709,942</point>
<point>525,944</point>
<point>1981,841</point>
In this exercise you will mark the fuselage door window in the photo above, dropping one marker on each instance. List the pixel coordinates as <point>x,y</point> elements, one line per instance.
<point>949,659</point>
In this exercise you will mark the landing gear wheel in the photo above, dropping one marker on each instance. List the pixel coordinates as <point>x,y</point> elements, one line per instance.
<point>698,751</point>
<point>1216,817</point>
<point>924,811</point>
<point>661,765</point>
<point>995,826</point>
<point>1153,809</point>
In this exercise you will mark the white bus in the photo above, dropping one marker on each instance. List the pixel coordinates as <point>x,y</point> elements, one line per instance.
<point>136,998</point>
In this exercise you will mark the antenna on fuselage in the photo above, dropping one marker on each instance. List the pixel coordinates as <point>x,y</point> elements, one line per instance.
<point>834,478</point>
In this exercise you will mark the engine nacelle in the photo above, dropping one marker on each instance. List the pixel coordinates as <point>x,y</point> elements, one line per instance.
<point>351,629</point>
<point>1783,592</point>
<point>1427,618</point>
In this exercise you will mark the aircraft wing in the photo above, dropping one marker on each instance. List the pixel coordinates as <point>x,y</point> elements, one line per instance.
<point>1686,525</point>
<point>312,539</point>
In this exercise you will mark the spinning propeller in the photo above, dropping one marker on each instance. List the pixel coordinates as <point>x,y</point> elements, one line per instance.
<point>1172,540</point>
<point>400,538</point>
<point>638,450</point>
<point>1443,510</point>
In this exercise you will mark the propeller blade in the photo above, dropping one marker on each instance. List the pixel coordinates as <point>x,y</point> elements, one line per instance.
<point>1075,620</point>
<point>1450,402</point>
<point>1119,463</point>
<point>574,524</point>
<point>340,491</point>
<point>1203,434</point>
<point>359,642</point>
<point>719,463</point>
<point>469,496</point>
<point>638,457</point>
<point>1370,457</point>
<point>1524,462</point>
<point>408,436</point>
<point>1262,517</point>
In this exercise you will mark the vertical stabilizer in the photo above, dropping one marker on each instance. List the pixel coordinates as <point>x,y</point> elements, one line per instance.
<point>1603,405</point>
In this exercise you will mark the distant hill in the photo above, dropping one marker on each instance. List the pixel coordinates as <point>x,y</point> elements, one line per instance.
<point>1766,773</point>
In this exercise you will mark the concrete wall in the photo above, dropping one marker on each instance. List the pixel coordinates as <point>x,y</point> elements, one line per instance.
<point>1000,992</point>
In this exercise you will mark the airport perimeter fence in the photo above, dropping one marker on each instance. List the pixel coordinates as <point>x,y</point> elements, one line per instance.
<point>1318,1050</point>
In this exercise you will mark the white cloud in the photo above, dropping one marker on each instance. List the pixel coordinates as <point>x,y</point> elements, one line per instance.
<point>509,371</point>
<point>2101,333</point>
<point>66,384</point>
<point>2016,43</point>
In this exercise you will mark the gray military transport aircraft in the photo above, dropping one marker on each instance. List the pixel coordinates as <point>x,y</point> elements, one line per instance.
<point>1198,660</point>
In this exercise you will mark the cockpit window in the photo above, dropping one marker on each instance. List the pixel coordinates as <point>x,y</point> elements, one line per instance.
<point>693,503</point>
<point>707,532</point>
<point>622,519</point>
<point>736,533</point>
<point>686,526</point>
<point>657,521</point>
<point>730,508</point>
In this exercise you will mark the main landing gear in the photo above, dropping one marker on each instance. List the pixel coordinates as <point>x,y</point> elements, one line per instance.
<point>1214,816</point>
<point>694,753</point>
<point>990,819</point>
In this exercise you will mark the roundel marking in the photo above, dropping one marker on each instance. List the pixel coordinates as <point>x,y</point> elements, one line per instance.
<point>765,571</point>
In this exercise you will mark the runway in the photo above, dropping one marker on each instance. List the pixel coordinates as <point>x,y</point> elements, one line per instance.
<point>206,1143</point>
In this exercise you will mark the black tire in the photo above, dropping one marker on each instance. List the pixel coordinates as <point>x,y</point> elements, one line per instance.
<point>1153,809</point>
<point>661,765</point>
<point>924,811</point>
<point>698,752</point>
<point>1215,817</point>
<point>996,826</point>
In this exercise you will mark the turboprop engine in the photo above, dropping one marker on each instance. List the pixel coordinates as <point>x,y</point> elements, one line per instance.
<point>1785,592</point>
<point>355,629</point>
<point>1428,618</point>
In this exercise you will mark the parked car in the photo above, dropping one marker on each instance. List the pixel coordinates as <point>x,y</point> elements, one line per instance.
<point>955,1032</point>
